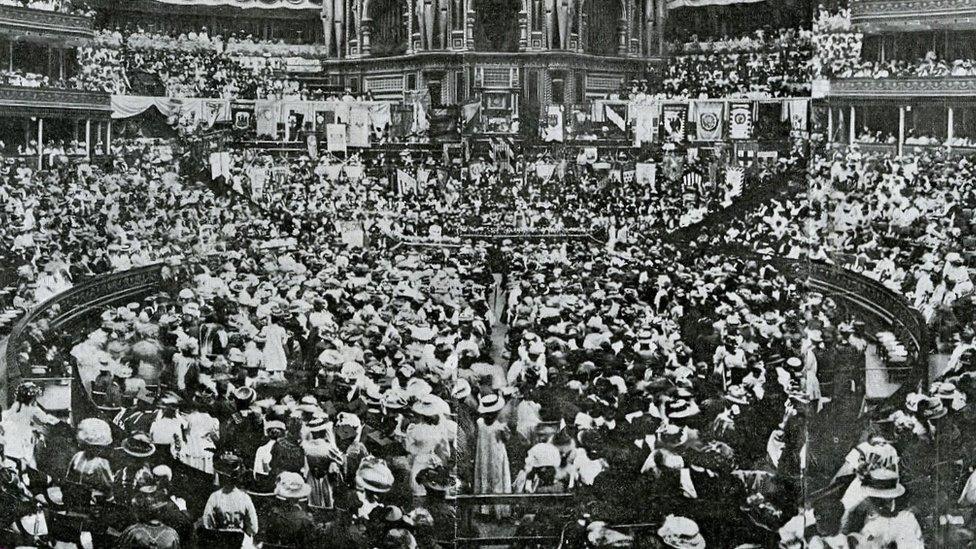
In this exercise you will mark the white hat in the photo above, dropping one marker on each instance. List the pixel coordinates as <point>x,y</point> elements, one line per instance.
<point>681,532</point>
<point>543,454</point>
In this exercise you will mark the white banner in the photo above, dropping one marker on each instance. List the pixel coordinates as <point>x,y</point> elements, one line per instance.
<point>336,136</point>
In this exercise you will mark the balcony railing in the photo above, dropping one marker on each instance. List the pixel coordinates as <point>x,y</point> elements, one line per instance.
<point>951,86</point>
<point>51,101</point>
<point>878,15</point>
<point>43,23</point>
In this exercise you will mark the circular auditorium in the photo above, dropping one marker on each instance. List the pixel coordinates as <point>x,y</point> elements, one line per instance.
<point>429,274</point>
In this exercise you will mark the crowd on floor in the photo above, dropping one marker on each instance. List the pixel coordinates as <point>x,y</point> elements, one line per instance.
<point>345,387</point>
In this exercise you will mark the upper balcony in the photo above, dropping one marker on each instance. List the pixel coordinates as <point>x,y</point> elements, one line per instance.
<point>54,102</point>
<point>903,87</point>
<point>876,16</point>
<point>44,25</point>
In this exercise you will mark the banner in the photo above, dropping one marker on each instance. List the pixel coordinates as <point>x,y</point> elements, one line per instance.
<point>220,164</point>
<point>740,120</point>
<point>645,123</point>
<point>335,135</point>
<point>358,126</point>
<point>216,110</point>
<point>471,115</point>
<point>616,114</point>
<point>267,113</point>
<point>406,182</point>
<point>675,117</point>
<point>553,131</point>
<point>545,171</point>
<point>708,121</point>
<point>646,174</point>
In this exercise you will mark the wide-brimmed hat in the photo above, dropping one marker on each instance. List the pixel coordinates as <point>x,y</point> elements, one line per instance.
<point>462,388</point>
<point>794,363</point>
<point>138,445</point>
<point>291,486</point>
<point>491,402</point>
<point>245,394</point>
<point>672,435</point>
<point>882,482</point>
<point>438,478</point>
<point>94,432</point>
<point>228,464</point>
<point>681,408</point>
<point>681,533</point>
<point>431,406</point>
<point>374,475</point>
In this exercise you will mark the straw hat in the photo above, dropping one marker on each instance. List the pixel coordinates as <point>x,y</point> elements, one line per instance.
<point>94,432</point>
<point>431,406</point>
<point>291,486</point>
<point>882,482</point>
<point>490,403</point>
<point>374,475</point>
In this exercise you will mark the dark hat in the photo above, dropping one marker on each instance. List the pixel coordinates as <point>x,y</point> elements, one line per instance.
<point>138,445</point>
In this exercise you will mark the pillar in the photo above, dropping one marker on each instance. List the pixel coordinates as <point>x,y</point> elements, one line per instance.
<point>40,143</point>
<point>108,138</point>
<point>88,143</point>
<point>830,124</point>
<point>950,130</point>
<point>366,31</point>
<point>851,128</point>
<point>901,130</point>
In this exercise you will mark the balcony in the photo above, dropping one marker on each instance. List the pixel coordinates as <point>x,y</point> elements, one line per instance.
<point>53,103</point>
<point>903,88</point>
<point>26,23</point>
<point>875,16</point>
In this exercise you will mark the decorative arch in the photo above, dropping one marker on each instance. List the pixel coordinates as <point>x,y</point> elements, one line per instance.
<point>388,31</point>
<point>602,24</point>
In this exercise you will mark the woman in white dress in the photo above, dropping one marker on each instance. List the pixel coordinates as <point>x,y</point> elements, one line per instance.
<point>22,423</point>
<point>201,435</point>
<point>273,357</point>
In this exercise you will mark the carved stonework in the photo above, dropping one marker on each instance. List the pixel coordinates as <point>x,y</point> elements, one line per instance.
<point>903,87</point>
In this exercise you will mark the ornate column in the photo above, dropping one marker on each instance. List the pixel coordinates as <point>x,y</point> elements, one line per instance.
<point>365,33</point>
<point>523,23</point>
<point>622,32</point>
<point>409,16</point>
<point>469,25</point>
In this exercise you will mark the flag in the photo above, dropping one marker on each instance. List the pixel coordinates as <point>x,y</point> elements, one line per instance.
<point>359,125</point>
<point>471,115</point>
<point>553,131</point>
<point>406,182</point>
<point>545,171</point>
<point>267,112</point>
<point>795,110</point>
<point>242,119</point>
<point>616,113</point>
<point>708,122</point>
<point>335,135</point>
<point>674,122</point>
<point>323,118</point>
<point>645,123</point>
<point>216,110</point>
<point>740,120</point>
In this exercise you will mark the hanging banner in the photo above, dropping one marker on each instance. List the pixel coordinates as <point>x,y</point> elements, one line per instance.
<point>708,122</point>
<point>335,135</point>
<point>545,171</point>
<point>740,120</point>
<point>359,126</point>
<point>553,130</point>
<point>645,123</point>
<point>646,173</point>
<point>616,114</point>
<point>406,182</point>
<point>216,110</point>
<point>675,117</point>
<point>266,113</point>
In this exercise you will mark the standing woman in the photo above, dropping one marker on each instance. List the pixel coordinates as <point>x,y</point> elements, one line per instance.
<point>21,422</point>
<point>201,435</point>
<point>274,359</point>
<point>492,473</point>
<point>89,467</point>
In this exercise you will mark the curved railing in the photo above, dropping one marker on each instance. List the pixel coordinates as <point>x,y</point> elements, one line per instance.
<point>67,309</point>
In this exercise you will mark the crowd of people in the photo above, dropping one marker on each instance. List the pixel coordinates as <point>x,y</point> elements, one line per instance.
<point>61,6</point>
<point>756,66</point>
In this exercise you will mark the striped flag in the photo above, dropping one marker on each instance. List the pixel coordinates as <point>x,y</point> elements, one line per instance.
<point>501,152</point>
